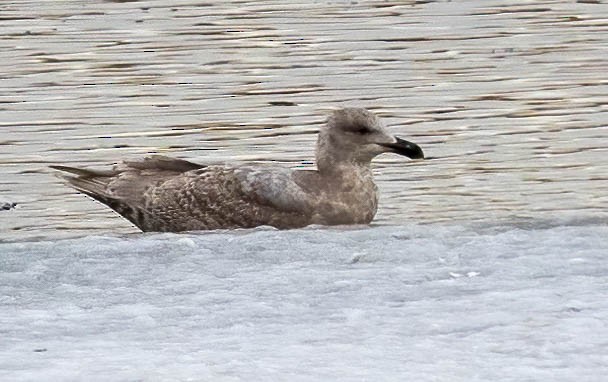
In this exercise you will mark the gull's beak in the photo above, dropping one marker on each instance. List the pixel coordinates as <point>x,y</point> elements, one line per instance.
<point>403,147</point>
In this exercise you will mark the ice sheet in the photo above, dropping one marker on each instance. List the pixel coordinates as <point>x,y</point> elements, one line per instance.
<point>419,302</point>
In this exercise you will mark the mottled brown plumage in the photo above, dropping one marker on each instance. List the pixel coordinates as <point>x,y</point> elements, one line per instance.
<point>164,194</point>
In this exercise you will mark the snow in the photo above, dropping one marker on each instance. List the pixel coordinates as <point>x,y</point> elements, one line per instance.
<point>397,303</point>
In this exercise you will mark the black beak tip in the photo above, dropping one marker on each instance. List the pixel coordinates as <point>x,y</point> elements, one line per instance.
<point>417,153</point>
<point>409,149</point>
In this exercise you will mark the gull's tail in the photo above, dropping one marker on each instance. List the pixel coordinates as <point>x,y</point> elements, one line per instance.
<point>94,183</point>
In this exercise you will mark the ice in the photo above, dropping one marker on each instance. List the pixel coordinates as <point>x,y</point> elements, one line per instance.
<point>398,303</point>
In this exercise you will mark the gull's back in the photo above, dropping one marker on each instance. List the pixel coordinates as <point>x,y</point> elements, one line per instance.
<point>168,195</point>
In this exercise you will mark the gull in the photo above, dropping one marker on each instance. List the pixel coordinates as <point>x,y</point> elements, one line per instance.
<point>163,194</point>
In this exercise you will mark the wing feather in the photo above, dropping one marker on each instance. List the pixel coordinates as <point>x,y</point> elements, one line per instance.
<point>274,187</point>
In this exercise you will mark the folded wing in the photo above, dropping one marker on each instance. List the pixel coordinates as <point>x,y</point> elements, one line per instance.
<point>165,194</point>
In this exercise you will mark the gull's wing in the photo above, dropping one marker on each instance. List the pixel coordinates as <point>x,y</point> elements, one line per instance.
<point>127,181</point>
<point>275,187</point>
<point>219,197</point>
<point>164,194</point>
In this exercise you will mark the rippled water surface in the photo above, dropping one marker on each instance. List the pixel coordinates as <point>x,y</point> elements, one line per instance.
<point>509,97</point>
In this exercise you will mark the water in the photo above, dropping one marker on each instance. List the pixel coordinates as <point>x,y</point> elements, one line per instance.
<point>484,263</point>
<point>509,97</point>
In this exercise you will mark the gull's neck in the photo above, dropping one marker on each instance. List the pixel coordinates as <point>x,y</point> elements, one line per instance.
<point>340,169</point>
<point>334,162</point>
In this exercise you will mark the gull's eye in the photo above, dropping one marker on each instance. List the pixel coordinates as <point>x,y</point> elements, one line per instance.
<point>362,130</point>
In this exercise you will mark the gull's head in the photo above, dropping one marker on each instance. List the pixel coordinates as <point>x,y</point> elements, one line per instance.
<point>356,135</point>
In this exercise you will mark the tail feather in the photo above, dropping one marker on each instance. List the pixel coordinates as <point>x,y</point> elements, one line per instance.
<point>85,173</point>
<point>94,184</point>
<point>134,214</point>
<point>86,181</point>
<point>90,186</point>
